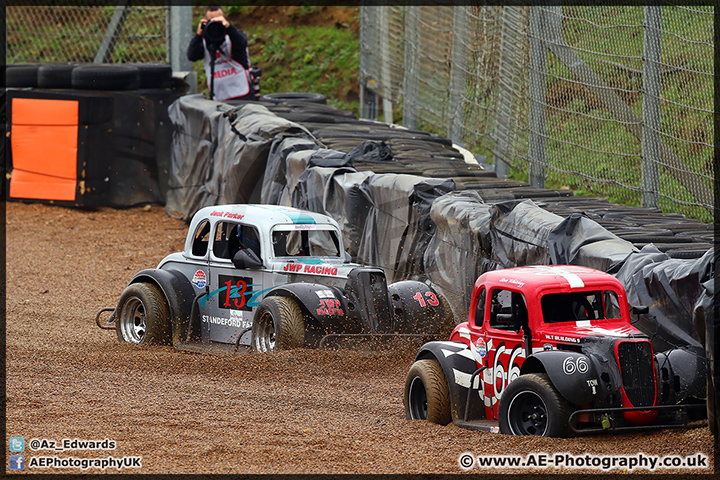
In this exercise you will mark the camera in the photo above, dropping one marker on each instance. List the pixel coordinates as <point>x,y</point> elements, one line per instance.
<point>214,33</point>
<point>255,74</point>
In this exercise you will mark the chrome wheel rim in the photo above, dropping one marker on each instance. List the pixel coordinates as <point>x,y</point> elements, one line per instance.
<point>265,341</point>
<point>133,320</point>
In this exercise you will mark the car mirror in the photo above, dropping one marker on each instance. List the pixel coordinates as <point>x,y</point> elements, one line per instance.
<point>640,309</point>
<point>246,258</point>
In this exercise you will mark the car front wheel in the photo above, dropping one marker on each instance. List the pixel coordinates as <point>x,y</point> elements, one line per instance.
<point>427,396</point>
<point>530,405</point>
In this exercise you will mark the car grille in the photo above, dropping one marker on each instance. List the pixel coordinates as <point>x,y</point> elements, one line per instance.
<point>638,372</point>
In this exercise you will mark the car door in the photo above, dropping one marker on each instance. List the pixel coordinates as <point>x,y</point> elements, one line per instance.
<point>504,341</point>
<point>228,310</point>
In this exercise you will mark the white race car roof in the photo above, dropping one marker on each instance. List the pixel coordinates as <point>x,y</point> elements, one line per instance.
<point>263,216</point>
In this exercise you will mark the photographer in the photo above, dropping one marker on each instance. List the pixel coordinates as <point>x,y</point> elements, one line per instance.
<point>224,49</point>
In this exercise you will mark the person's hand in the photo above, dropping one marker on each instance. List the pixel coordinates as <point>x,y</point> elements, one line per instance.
<point>200,26</point>
<point>221,18</point>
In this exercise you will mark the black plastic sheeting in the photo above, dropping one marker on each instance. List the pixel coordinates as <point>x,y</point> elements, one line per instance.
<point>461,248</point>
<point>220,152</point>
<point>672,289</point>
<point>578,240</point>
<point>384,217</point>
<point>422,227</point>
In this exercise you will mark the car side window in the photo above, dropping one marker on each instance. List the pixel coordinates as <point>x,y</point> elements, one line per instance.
<point>612,304</point>
<point>201,239</point>
<point>231,237</point>
<point>508,310</point>
<point>480,309</point>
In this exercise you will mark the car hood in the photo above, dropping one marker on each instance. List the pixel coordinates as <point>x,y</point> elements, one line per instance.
<point>574,331</point>
<point>315,267</point>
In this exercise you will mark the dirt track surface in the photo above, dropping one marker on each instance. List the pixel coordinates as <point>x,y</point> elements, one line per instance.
<point>294,412</point>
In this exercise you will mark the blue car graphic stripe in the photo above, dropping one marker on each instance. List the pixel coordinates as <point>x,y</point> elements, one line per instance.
<point>253,301</point>
<point>295,217</point>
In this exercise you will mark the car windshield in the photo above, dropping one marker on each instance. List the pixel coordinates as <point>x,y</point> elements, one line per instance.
<point>304,240</point>
<point>574,306</point>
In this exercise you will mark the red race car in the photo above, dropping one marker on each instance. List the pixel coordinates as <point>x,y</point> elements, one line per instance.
<point>550,350</point>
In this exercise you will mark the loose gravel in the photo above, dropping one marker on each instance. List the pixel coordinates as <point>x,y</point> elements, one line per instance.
<point>303,411</point>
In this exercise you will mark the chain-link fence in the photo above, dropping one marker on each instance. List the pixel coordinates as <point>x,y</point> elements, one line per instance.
<point>612,101</point>
<point>88,33</point>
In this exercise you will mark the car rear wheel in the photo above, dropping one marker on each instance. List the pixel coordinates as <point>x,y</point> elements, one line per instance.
<point>142,316</point>
<point>278,325</point>
<point>427,396</point>
<point>530,405</point>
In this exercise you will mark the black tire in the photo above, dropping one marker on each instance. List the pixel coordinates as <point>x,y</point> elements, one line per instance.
<point>22,75</point>
<point>55,76</point>
<point>530,405</point>
<point>143,316</point>
<point>278,325</point>
<point>294,97</point>
<point>154,75</point>
<point>106,77</point>
<point>427,396</point>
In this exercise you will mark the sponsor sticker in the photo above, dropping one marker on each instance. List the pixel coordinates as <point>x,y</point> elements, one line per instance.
<point>324,294</point>
<point>481,348</point>
<point>199,279</point>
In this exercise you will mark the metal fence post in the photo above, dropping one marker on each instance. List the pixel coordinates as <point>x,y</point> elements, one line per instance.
<point>411,74</point>
<point>537,100</point>
<point>368,98</point>
<point>509,43</point>
<point>105,51</point>
<point>651,105</point>
<point>385,73</point>
<point>180,31</point>
<point>456,106</point>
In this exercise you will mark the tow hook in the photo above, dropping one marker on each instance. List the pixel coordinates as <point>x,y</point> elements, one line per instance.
<point>110,323</point>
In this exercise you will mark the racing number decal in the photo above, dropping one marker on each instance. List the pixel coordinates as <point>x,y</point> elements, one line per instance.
<point>236,291</point>
<point>432,299</point>
<point>505,368</point>
<point>239,290</point>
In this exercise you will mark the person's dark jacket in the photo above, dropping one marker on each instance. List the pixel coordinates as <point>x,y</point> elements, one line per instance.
<point>239,47</point>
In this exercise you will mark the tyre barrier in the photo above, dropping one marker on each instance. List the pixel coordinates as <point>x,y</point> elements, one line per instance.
<point>22,75</point>
<point>122,151</point>
<point>419,153</point>
<point>294,97</point>
<point>89,76</point>
<point>55,76</point>
<point>106,77</point>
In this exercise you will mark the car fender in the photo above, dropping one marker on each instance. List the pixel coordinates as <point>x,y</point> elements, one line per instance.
<point>178,293</point>
<point>323,304</point>
<point>573,374</point>
<point>682,374</point>
<point>458,364</point>
<point>416,308</point>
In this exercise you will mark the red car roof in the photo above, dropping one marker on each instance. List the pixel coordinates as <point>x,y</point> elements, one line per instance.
<point>530,279</point>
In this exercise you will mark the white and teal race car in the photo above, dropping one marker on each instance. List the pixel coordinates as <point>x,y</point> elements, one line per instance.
<point>267,277</point>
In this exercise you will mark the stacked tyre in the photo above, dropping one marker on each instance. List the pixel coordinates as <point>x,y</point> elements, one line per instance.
<point>107,77</point>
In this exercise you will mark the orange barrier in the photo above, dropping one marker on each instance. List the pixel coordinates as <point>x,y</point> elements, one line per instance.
<point>44,144</point>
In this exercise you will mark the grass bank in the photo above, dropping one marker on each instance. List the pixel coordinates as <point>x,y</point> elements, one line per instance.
<point>301,49</point>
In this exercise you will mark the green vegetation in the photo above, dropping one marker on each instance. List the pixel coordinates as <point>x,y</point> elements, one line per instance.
<point>584,138</point>
<point>587,148</point>
<point>306,58</point>
<point>74,34</point>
